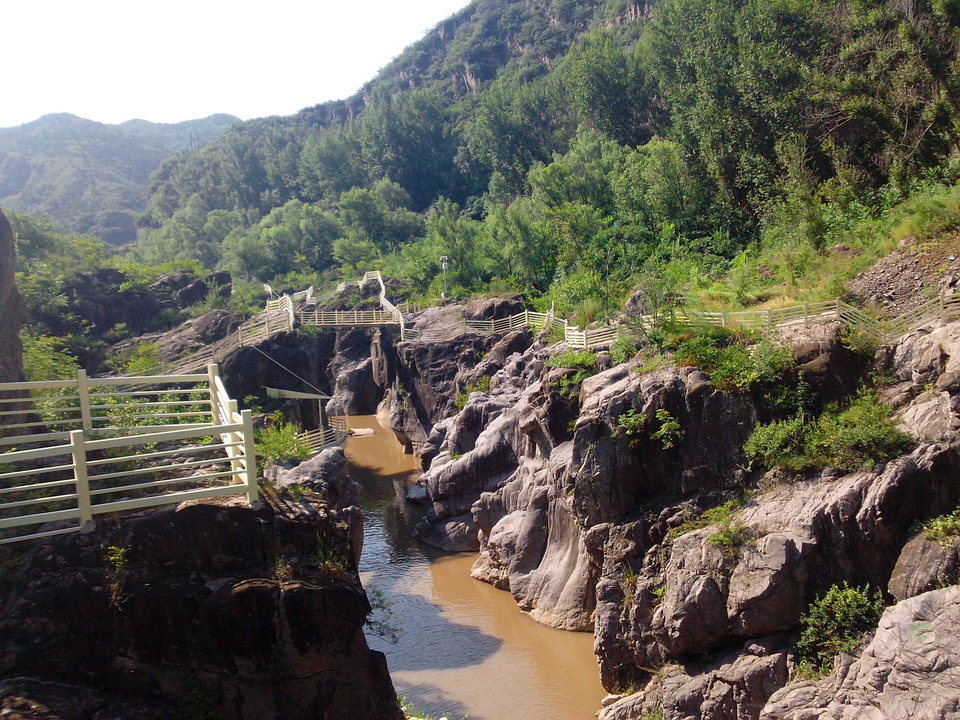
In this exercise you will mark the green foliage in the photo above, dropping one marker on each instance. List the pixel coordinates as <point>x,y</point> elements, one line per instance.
<point>583,363</point>
<point>944,529</point>
<point>736,366</point>
<point>835,623</point>
<point>854,437</point>
<point>731,533</point>
<point>140,359</point>
<point>279,441</point>
<point>670,432</point>
<point>481,385</point>
<point>118,563</point>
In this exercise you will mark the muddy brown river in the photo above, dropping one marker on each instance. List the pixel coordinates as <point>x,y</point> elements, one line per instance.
<point>459,646</point>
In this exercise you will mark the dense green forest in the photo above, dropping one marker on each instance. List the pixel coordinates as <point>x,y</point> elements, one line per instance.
<point>569,148</point>
<point>710,150</point>
<point>90,177</point>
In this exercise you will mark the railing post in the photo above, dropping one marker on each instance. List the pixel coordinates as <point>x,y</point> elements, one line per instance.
<point>240,336</point>
<point>837,309</point>
<point>215,416</point>
<point>943,308</point>
<point>79,453</point>
<point>83,391</point>
<point>266,318</point>
<point>806,315</point>
<point>249,456</point>
<point>769,319</point>
<point>723,318</point>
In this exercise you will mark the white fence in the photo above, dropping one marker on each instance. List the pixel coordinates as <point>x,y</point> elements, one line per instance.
<point>322,438</point>
<point>110,450</point>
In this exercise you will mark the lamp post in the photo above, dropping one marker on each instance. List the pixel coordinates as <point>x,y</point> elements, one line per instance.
<point>444,263</point>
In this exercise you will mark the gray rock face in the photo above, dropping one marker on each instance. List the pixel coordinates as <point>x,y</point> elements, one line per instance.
<point>926,368</point>
<point>725,689</point>
<point>925,565</point>
<point>422,380</point>
<point>326,474</point>
<point>351,375</point>
<point>796,541</point>
<point>910,670</point>
<point>13,312</point>
<point>226,598</point>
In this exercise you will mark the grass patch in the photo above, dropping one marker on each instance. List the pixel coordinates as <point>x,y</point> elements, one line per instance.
<point>723,516</point>
<point>481,385</point>
<point>583,363</point>
<point>944,529</point>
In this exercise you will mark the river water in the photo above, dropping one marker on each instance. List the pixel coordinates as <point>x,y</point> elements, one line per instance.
<point>460,646</point>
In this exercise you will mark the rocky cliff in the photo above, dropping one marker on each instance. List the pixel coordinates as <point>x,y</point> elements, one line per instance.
<point>12,310</point>
<point>589,528</point>
<point>207,610</point>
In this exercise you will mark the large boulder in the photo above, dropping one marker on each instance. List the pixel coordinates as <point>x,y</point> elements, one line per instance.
<point>910,670</point>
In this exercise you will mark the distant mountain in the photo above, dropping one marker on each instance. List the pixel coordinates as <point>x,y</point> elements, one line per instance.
<point>91,177</point>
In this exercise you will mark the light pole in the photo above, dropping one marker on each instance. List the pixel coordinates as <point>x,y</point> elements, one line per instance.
<point>444,263</point>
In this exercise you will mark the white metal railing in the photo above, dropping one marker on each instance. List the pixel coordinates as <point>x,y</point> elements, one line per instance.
<point>321,438</point>
<point>112,451</point>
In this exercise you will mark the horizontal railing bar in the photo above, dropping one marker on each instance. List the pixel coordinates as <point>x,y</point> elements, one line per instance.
<point>134,380</point>
<point>163,453</point>
<point>153,501</point>
<point>40,518</point>
<point>158,468</point>
<point>30,473</point>
<point>38,486</point>
<point>37,501</point>
<point>114,489</point>
<point>197,431</point>
<point>39,535</point>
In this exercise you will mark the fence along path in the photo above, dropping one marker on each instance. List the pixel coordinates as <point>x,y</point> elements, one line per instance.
<point>280,315</point>
<point>112,448</point>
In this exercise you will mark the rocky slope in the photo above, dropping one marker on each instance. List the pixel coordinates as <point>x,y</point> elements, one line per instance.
<point>584,525</point>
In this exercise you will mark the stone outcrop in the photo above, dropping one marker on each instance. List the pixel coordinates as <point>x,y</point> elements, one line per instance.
<point>13,312</point>
<point>718,689</point>
<point>421,380</point>
<point>351,374</point>
<point>254,613</point>
<point>910,670</point>
<point>925,366</point>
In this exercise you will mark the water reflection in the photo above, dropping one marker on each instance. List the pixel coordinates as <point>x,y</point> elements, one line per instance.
<point>462,647</point>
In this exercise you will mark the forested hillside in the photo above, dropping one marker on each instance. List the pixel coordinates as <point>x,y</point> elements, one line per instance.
<point>550,144</point>
<point>90,177</point>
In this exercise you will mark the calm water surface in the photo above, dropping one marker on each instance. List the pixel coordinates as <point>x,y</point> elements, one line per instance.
<point>462,647</point>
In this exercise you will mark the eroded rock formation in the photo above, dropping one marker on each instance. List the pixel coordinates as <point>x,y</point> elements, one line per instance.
<point>254,613</point>
<point>584,524</point>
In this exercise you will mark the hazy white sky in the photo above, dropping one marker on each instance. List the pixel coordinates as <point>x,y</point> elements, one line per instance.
<point>115,60</point>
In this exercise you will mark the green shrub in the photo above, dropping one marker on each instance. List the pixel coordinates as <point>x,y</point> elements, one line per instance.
<point>481,385</point>
<point>853,438</point>
<point>857,437</point>
<point>732,364</point>
<point>780,443</point>
<point>279,441</point>
<point>835,623</point>
<point>669,433</point>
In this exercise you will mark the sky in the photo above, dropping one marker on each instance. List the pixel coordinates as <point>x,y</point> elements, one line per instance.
<point>116,60</point>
